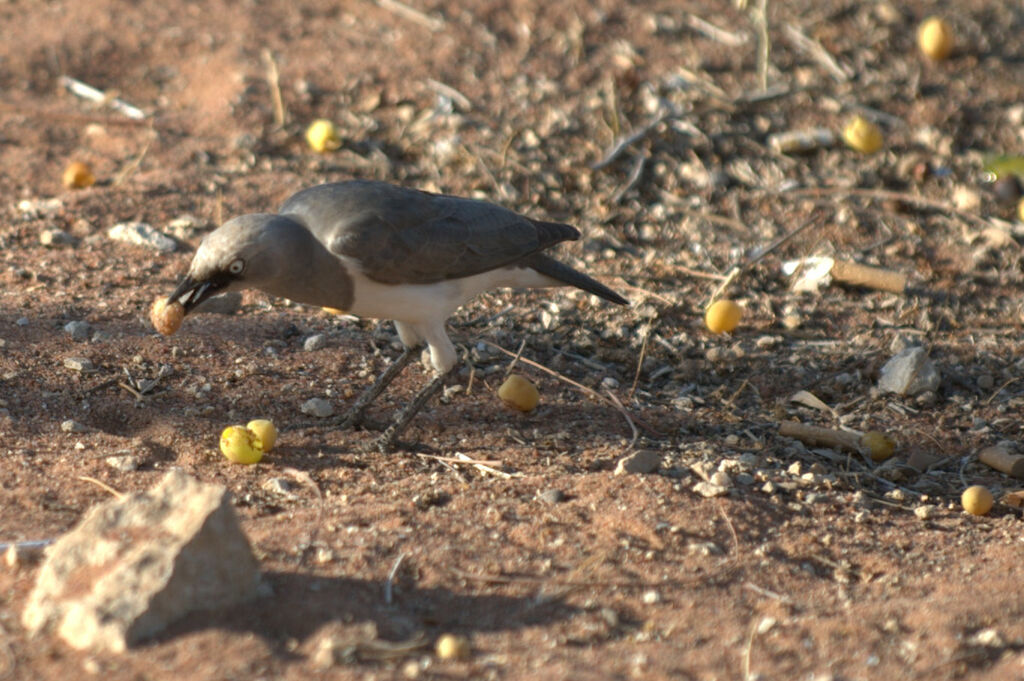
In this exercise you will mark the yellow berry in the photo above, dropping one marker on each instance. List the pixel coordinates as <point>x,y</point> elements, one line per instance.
<point>862,135</point>
<point>265,431</point>
<point>166,318</point>
<point>878,445</point>
<point>322,136</point>
<point>241,445</point>
<point>78,175</point>
<point>935,38</point>
<point>452,647</point>
<point>1020,210</point>
<point>723,316</point>
<point>976,500</point>
<point>519,393</point>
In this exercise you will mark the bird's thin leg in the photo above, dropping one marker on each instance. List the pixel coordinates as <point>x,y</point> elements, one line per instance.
<point>355,413</point>
<point>386,442</point>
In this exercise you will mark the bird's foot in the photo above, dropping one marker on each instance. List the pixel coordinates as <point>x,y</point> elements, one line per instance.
<point>386,443</point>
<point>354,415</point>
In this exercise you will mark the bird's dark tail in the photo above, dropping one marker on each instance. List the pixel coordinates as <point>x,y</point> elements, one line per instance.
<point>567,275</point>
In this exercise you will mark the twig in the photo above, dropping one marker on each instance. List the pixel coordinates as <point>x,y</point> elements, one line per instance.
<point>625,415</point>
<point>138,396</point>
<point>640,362</point>
<point>709,30</point>
<point>757,256</point>
<point>102,485</point>
<point>134,164</point>
<point>84,91</point>
<point>764,43</point>
<point>465,461</point>
<point>579,386</point>
<point>748,650</point>
<point>889,195</point>
<point>391,578</point>
<point>274,81</point>
<point>634,176</point>
<point>782,598</point>
<point>512,364</point>
<point>817,52</point>
<point>27,544</point>
<point>451,93</point>
<point>412,14</point>
<point>484,468</point>
<point>624,143</point>
<point>732,528</point>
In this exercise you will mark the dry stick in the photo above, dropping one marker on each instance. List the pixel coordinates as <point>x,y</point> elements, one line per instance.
<point>815,436</point>
<point>634,176</point>
<point>652,294</point>
<point>888,195</point>
<point>732,528</point>
<point>391,578</point>
<point>709,30</point>
<point>723,220</point>
<point>274,81</point>
<point>750,646</point>
<point>639,363</point>
<point>625,415</point>
<point>515,358</point>
<point>412,14</point>
<point>127,171</point>
<point>817,52</point>
<point>467,461</point>
<point>737,270</point>
<point>579,386</point>
<point>85,91</point>
<point>102,485</point>
<point>451,93</point>
<point>484,468</point>
<point>627,141</point>
<point>764,45</point>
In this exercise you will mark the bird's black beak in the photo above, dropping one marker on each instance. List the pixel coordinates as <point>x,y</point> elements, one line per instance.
<point>191,293</point>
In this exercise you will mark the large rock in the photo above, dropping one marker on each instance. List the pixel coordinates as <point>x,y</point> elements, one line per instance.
<point>136,564</point>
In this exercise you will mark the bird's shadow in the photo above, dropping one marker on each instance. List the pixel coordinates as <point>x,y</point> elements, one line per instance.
<point>294,606</point>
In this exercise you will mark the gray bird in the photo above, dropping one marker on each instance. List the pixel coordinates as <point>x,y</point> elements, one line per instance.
<point>376,250</point>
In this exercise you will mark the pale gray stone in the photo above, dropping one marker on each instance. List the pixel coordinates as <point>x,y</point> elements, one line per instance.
<point>640,461</point>
<point>909,373</point>
<point>317,407</point>
<point>133,565</point>
<point>142,234</point>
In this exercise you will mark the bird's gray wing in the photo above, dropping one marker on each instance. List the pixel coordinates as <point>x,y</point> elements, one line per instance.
<point>400,235</point>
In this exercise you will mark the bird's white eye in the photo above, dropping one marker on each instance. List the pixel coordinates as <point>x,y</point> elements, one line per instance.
<point>236,267</point>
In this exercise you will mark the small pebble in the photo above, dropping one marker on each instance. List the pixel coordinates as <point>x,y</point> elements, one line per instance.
<point>926,511</point>
<point>71,426</point>
<point>79,331</point>
<point>552,496</point>
<point>315,342</point>
<point>641,461</point>
<point>125,463</point>
<point>56,237</point>
<point>651,597</point>
<point>317,407</point>
<point>22,321</point>
<point>80,364</point>
<point>721,478</point>
<point>279,486</point>
<point>142,234</point>
<point>708,489</point>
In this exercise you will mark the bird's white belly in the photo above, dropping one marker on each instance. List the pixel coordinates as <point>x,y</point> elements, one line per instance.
<point>433,303</point>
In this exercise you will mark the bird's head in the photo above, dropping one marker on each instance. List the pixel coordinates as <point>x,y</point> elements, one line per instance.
<point>244,252</point>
